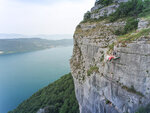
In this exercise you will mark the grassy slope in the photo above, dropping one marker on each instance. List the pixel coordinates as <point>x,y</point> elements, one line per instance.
<point>58,97</point>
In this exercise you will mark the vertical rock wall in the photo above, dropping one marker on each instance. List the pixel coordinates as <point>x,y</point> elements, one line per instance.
<point>119,86</point>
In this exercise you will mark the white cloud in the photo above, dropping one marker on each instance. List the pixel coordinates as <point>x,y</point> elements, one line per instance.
<point>58,18</point>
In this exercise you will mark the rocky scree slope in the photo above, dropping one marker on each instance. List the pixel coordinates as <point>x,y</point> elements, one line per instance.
<point>119,86</point>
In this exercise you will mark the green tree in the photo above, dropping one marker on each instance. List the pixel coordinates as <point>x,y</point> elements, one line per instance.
<point>105,2</point>
<point>87,15</point>
<point>131,24</point>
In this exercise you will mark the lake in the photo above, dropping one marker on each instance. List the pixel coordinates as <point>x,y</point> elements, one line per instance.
<point>23,74</point>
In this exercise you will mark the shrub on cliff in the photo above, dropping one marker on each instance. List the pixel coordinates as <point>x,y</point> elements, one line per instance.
<point>105,2</point>
<point>131,24</point>
<point>58,97</point>
<point>144,109</point>
<point>132,8</point>
<point>92,69</point>
<point>87,16</point>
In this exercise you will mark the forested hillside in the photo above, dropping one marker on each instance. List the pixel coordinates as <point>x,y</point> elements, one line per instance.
<point>58,97</point>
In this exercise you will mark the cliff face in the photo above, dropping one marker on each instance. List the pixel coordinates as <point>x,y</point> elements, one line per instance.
<point>119,86</point>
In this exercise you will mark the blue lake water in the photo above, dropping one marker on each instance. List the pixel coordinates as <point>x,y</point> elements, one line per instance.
<point>23,74</point>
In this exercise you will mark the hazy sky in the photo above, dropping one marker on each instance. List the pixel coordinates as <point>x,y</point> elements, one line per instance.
<point>33,17</point>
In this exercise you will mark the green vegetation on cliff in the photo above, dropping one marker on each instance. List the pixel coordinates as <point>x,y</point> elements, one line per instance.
<point>132,8</point>
<point>131,24</point>
<point>105,2</point>
<point>144,109</point>
<point>87,16</point>
<point>92,69</point>
<point>58,97</point>
<point>133,35</point>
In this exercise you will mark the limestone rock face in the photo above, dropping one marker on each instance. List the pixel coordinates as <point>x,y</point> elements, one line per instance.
<point>41,111</point>
<point>100,10</point>
<point>44,110</point>
<point>143,24</point>
<point>119,1</point>
<point>106,11</point>
<point>119,86</point>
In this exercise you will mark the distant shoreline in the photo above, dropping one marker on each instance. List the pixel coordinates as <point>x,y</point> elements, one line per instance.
<point>14,52</point>
<point>12,46</point>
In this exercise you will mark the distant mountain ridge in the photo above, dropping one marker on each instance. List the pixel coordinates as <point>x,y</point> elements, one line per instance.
<point>8,46</point>
<point>43,36</point>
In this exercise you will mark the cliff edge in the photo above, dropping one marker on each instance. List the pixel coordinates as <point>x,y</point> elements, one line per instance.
<point>116,86</point>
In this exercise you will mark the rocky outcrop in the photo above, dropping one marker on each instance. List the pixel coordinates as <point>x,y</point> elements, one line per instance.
<point>106,11</point>
<point>119,86</point>
<point>100,10</point>
<point>44,110</point>
<point>143,24</point>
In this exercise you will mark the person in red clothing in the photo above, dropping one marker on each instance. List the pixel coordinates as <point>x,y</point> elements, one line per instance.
<point>111,57</point>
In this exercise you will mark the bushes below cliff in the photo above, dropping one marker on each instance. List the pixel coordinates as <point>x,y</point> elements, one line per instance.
<point>58,97</point>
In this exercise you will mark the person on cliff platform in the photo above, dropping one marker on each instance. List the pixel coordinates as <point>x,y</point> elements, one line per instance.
<point>111,57</point>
